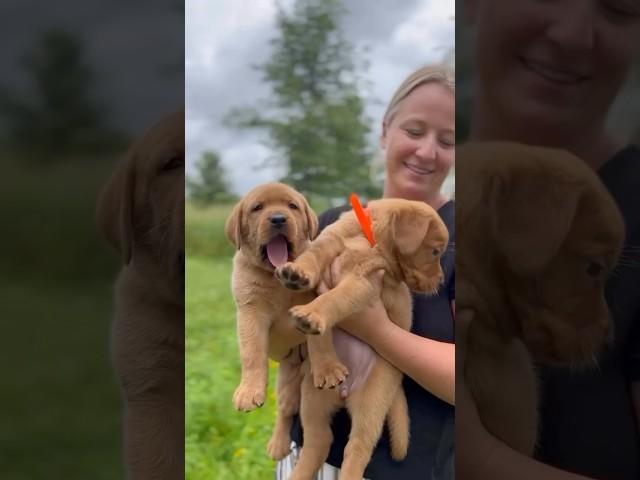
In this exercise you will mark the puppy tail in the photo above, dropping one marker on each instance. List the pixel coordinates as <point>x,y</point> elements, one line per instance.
<point>398,423</point>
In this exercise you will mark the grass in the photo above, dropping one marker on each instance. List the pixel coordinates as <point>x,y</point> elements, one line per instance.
<point>221,443</point>
<point>60,406</point>
<point>204,228</point>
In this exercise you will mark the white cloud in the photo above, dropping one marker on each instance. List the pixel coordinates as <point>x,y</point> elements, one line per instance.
<point>223,39</point>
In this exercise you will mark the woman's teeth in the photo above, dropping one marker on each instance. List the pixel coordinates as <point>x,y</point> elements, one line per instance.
<point>553,74</point>
<point>418,170</point>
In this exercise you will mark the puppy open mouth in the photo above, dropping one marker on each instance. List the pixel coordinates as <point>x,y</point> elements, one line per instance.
<point>277,251</point>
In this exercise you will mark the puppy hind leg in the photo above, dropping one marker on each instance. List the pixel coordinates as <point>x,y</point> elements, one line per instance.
<point>316,410</point>
<point>368,408</point>
<point>288,398</point>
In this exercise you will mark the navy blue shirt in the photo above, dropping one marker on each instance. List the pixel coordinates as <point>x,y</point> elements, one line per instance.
<point>432,431</point>
<point>587,422</point>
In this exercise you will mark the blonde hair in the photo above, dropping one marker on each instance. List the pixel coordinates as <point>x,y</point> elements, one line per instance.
<point>442,74</point>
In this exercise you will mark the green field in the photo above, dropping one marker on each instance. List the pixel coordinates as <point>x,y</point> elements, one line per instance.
<point>60,406</point>
<point>221,443</point>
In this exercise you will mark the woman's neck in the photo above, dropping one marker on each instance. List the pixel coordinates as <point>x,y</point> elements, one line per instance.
<point>594,145</point>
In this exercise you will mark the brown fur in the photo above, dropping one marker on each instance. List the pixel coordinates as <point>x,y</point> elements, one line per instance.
<point>141,213</point>
<point>531,221</point>
<point>410,238</point>
<point>264,327</point>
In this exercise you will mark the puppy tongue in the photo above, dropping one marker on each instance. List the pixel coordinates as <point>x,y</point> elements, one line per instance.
<point>277,251</point>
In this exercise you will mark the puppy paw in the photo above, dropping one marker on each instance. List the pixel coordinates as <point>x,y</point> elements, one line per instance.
<point>329,373</point>
<point>309,323</point>
<point>279,445</point>
<point>293,277</point>
<point>248,397</point>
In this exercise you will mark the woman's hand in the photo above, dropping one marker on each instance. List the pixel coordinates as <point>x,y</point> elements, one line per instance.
<point>478,453</point>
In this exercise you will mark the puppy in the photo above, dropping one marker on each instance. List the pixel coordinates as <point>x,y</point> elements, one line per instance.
<point>271,225</point>
<point>539,235</point>
<point>141,213</point>
<point>410,239</point>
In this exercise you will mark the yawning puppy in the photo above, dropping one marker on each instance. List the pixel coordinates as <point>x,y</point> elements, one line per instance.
<point>539,234</point>
<point>410,239</point>
<point>271,225</point>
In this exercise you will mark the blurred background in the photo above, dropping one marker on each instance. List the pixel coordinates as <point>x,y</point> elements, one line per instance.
<point>623,116</point>
<point>80,80</point>
<point>295,91</point>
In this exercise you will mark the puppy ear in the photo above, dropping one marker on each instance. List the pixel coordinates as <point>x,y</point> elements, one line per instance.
<point>114,213</point>
<point>233,227</point>
<point>408,231</point>
<point>312,221</point>
<point>539,205</point>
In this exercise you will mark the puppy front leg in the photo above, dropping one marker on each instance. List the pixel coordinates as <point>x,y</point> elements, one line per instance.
<point>253,337</point>
<point>351,295</point>
<point>304,273</point>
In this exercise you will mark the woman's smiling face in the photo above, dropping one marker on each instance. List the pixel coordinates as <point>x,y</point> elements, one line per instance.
<point>553,65</point>
<point>419,142</point>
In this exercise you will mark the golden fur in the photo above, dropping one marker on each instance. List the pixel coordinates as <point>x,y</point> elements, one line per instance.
<point>141,213</point>
<point>264,327</point>
<point>410,238</point>
<point>539,235</point>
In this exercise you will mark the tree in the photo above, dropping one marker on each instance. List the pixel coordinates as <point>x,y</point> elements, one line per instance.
<point>315,116</point>
<point>209,185</point>
<point>61,113</point>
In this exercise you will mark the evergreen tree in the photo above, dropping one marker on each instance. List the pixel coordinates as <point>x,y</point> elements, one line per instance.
<point>315,116</point>
<point>209,185</point>
<point>60,113</point>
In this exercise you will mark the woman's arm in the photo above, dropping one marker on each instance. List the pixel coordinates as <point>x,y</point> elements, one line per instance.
<point>429,362</point>
<point>478,453</point>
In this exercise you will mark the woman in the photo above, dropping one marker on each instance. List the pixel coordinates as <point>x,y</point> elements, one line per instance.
<point>418,138</point>
<point>547,74</point>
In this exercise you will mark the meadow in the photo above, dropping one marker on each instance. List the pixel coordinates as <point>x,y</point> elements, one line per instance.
<point>61,407</point>
<point>220,443</point>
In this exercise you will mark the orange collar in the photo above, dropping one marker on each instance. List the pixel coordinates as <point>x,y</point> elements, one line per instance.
<point>364,218</point>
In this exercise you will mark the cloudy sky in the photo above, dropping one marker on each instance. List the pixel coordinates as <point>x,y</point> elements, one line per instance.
<point>134,50</point>
<point>224,38</point>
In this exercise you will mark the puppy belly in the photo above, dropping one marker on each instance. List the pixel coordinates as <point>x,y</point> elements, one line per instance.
<point>357,356</point>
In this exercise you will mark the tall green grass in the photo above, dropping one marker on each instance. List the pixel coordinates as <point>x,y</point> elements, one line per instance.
<point>50,210</point>
<point>60,407</point>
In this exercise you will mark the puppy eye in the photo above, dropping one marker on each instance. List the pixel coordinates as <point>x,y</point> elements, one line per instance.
<point>293,206</point>
<point>435,252</point>
<point>173,163</point>
<point>594,269</point>
<point>257,207</point>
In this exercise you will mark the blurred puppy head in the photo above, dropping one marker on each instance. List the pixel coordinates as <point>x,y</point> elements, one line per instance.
<point>415,236</point>
<point>141,209</point>
<point>271,225</point>
<point>538,226</point>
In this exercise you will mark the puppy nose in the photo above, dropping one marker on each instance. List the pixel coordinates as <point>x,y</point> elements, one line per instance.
<point>278,220</point>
